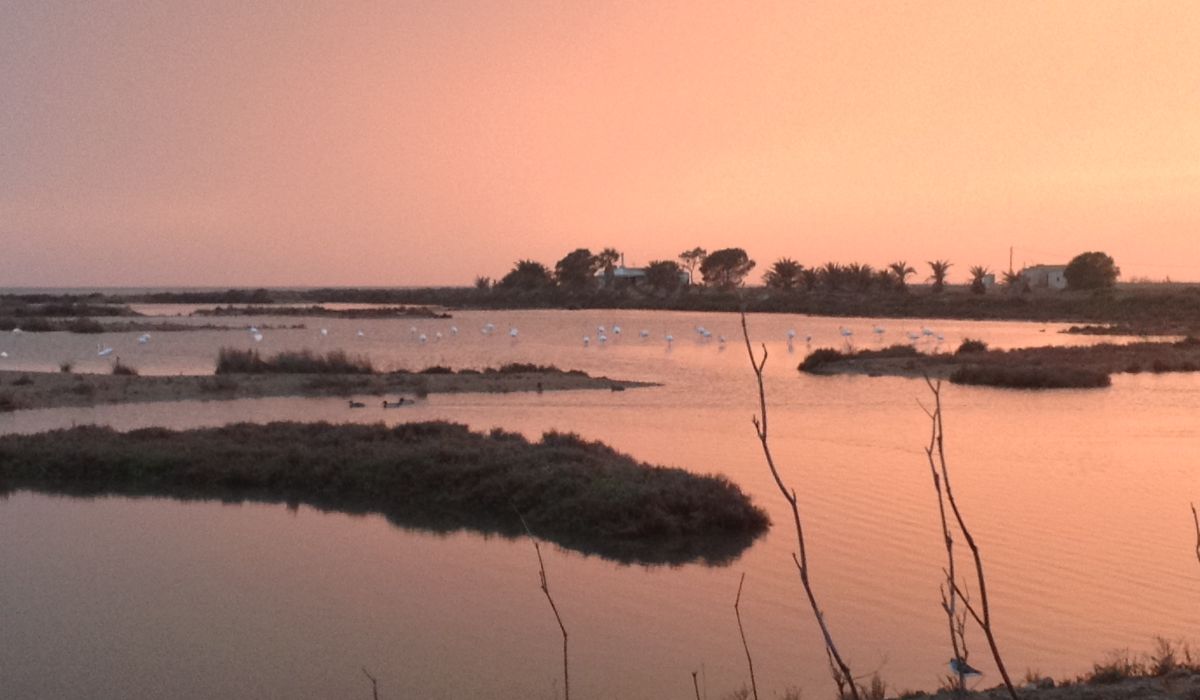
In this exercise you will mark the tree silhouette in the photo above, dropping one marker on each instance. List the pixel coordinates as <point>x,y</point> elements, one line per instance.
<point>978,272</point>
<point>784,275</point>
<point>901,270</point>
<point>1092,270</point>
<point>939,268</point>
<point>692,258</point>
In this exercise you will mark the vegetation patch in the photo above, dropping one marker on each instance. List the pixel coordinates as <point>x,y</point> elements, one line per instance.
<point>433,475</point>
<point>234,361</point>
<point>322,311</point>
<point>971,345</point>
<point>823,358</point>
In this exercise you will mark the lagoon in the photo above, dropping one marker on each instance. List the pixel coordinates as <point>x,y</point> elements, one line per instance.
<point>1079,500</point>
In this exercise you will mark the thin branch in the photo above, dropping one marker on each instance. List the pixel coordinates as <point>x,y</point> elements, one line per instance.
<point>738,613</point>
<point>840,670</point>
<point>983,614</point>
<point>1196,518</point>
<point>696,684</point>
<point>374,683</point>
<point>545,585</point>
<point>949,590</point>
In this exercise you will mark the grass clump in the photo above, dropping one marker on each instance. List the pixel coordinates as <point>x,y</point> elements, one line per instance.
<point>970,345</point>
<point>66,366</point>
<point>820,358</point>
<point>85,325</point>
<point>1030,377</point>
<point>234,361</point>
<point>434,475</point>
<point>121,369</point>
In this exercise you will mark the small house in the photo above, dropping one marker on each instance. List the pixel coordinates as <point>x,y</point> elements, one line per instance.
<point>1044,277</point>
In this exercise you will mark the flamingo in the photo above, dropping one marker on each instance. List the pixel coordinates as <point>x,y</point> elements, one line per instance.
<point>616,329</point>
<point>602,338</point>
<point>360,334</point>
<point>808,339</point>
<point>453,330</point>
<point>258,337</point>
<point>670,339</point>
<point>17,330</point>
<point>324,331</point>
<point>962,668</point>
<point>644,334</point>
<point>102,351</point>
<point>422,339</point>
<point>3,355</point>
<point>586,341</point>
<point>512,332</point>
<point>143,339</point>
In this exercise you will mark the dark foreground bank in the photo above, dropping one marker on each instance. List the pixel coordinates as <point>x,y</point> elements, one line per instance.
<point>437,476</point>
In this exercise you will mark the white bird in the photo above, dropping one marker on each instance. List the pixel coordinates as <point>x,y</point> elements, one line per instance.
<point>453,330</point>
<point>914,336</point>
<point>586,341</point>
<point>926,331</point>
<point>437,336</point>
<point>846,332</point>
<point>616,330</point>
<point>941,338</point>
<point>602,338</point>
<point>488,328</point>
<point>143,338</point>
<point>253,329</point>
<point>721,339</point>
<point>3,354</point>
<point>17,330</point>
<point>670,339</point>
<point>599,329</point>
<point>512,332</point>
<point>360,333</point>
<point>324,331</point>
<point>644,333</point>
<point>791,334</point>
<point>258,337</point>
<point>878,330</point>
<point>412,330</point>
<point>962,668</point>
<point>422,338</point>
<point>102,351</point>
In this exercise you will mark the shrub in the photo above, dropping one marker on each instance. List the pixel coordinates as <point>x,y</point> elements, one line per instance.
<point>66,366</point>
<point>122,369</point>
<point>234,361</point>
<point>436,369</point>
<point>819,358</point>
<point>23,380</point>
<point>970,345</point>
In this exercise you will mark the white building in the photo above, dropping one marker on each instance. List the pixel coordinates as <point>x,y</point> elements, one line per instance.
<point>1045,277</point>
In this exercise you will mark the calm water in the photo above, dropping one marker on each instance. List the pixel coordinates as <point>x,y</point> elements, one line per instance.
<point>1079,500</point>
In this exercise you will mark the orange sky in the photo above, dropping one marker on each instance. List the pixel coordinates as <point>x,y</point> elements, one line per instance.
<point>220,142</point>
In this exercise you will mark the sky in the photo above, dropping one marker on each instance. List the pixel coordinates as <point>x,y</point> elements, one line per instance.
<point>290,142</point>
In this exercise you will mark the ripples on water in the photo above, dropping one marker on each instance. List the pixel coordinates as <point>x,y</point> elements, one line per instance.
<point>1078,498</point>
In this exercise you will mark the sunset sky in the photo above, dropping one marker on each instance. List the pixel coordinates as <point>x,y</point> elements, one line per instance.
<point>224,142</point>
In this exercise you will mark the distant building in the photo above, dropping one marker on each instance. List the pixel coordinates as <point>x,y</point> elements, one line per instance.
<point>621,277</point>
<point>1045,277</point>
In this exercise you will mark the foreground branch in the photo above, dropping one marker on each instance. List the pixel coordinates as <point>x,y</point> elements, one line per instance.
<point>1196,519</point>
<point>738,613</point>
<point>374,683</point>
<point>982,614</point>
<point>546,589</point>
<point>840,670</point>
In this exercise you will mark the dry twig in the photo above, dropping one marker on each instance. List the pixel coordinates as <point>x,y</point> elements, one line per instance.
<point>1196,518</point>
<point>374,683</point>
<point>838,667</point>
<point>738,613</point>
<point>546,589</point>
<point>981,614</point>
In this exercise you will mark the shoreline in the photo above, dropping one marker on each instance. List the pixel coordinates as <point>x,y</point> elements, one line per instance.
<point>33,390</point>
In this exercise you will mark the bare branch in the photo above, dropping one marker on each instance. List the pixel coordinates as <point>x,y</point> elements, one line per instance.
<point>738,613</point>
<point>545,585</point>
<point>981,614</point>
<point>696,684</point>
<point>838,667</point>
<point>1196,518</point>
<point>374,683</point>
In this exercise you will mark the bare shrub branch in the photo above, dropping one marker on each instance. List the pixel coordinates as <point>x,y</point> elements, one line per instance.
<point>1196,519</point>
<point>982,613</point>
<point>838,667</point>
<point>738,613</point>
<point>374,683</point>
<point>545,585</point>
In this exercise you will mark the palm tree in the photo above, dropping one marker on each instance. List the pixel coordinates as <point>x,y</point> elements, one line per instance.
<point>784,275</point>
<point>810,278</point>
<point>978,272</point>
<point>860,276</point>
<point>939,269</point>
<point>832,276</point>
<point>901,270</point>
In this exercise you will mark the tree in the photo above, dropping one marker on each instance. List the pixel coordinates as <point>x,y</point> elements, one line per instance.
<point>482,283</point>
<point>859,276</point>
<point>664,276</point>
<point>726,268</point>
<point>939,268</point>
<point>692,258</point>
<point>527,275</point>
<point>1092,270</point>
<point>901,270</point>
<point>978,272</point>
<point>810,278</point>
<point>607,259</point>
<point>784,275</point>
<point>575,270</point>
<point>833,276</point>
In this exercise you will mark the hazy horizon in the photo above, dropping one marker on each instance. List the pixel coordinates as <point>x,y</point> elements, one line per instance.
<point>224,144</point>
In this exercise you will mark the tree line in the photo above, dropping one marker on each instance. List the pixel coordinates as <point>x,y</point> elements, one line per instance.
<point>581,271</point>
